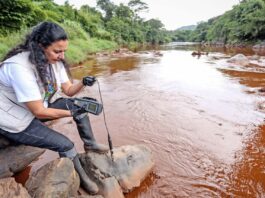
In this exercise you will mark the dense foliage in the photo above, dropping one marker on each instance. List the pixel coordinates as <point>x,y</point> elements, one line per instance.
<point>89,29</point>
<point>120,23</point>
<point>109,25</point>
<point>244,23</point>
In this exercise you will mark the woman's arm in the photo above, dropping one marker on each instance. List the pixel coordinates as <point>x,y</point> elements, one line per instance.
<point>40,112</point>
<point>71,89</point>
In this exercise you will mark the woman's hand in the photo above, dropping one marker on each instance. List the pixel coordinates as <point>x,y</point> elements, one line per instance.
<point>89,80</point>
<point>71,89</point>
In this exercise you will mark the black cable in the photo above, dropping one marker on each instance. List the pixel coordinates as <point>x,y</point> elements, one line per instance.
<point>106,126</point>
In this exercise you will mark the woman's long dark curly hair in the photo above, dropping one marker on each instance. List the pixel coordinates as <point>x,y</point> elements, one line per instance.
<point>42,36</point>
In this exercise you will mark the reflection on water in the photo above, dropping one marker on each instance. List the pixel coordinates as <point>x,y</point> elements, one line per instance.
<point>194,113</point>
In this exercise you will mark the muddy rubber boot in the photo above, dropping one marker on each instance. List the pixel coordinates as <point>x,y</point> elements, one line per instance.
<point>86,183</point>
<point>86,134</point>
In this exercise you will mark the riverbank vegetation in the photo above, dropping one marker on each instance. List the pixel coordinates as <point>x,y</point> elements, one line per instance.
<point>90,30</point>
<point>245,23</point>
<point>109,26</point>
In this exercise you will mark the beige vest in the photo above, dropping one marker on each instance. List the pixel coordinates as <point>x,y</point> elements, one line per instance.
<point>15,116</point>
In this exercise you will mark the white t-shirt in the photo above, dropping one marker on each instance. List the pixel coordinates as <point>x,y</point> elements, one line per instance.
<point>24,81</point>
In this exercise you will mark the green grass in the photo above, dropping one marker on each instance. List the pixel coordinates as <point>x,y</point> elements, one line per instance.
<point>10,41</point>
<point>79,49</point>
<point>96,45</point>
<point>80,43</point>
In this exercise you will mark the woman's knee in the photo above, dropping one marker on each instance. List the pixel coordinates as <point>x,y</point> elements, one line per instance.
<point>69,153</point>
<point>67,149</point>
<point>65,145</point>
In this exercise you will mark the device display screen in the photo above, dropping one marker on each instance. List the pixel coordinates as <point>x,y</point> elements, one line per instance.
<point>92,107</point>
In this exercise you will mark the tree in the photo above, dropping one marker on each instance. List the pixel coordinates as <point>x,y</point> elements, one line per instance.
<point>245,22</point>
<point>107,7</point>
<point>124,12</point>
<point>90,19</point>
<point>137,6</point>
<point>153,31</point>
<point>16,14</point>
<point>13,13</point>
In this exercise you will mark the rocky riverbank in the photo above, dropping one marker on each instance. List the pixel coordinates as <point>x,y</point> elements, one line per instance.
<point>58,178</point>
<point>255,47</point>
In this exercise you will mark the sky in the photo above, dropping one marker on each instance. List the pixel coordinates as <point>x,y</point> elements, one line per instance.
<point>173,13</point>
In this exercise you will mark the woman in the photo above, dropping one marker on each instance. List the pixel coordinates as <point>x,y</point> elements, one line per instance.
<point>30,77</point>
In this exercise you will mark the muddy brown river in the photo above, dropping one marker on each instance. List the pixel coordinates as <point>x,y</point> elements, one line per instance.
<point>202,117</point>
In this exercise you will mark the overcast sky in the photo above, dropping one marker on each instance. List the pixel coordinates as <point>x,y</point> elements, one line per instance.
<point>174,13</point>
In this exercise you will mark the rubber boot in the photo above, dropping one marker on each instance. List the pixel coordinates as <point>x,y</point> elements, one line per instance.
<point>86,183</point>
<point>86,134</point>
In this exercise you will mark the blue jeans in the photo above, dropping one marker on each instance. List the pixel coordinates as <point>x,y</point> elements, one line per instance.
<point>39,135</point>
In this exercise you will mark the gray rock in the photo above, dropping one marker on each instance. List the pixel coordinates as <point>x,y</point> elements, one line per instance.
<point>15,158</point>
<point>55,179</point>
<point>59,179</point>
<point>260,46</point>
<point>90,196</point>
<point>262,90</point>
<point>254,57</point>
<point>130,167</point>
<point>239,59</point>
<point>109,187</point>
<point>9,188</point>
<point>83,194</point>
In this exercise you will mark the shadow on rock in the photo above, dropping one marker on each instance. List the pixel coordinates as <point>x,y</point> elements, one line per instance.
<point>131,165</point>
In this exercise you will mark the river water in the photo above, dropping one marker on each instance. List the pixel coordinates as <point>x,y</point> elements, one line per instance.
<point>201,116</point>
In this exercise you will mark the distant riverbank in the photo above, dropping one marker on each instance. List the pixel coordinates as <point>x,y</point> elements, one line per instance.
<point>80,44</point>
